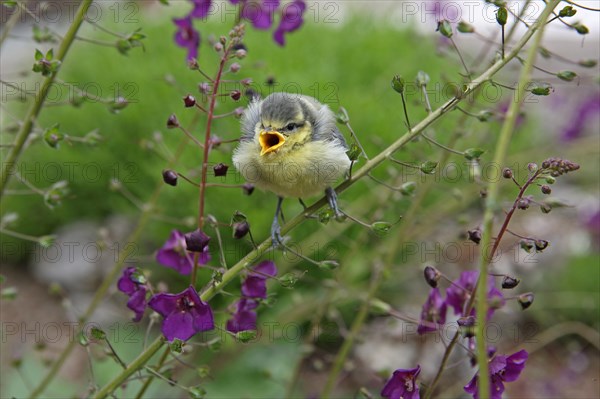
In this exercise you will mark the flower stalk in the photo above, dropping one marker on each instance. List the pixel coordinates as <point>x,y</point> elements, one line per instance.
<point>9,163</point>
<point>492,200</point>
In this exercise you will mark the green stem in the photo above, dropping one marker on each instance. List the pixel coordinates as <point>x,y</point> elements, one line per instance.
<point>157,367</point>
<point>492,199</point>
<point>10,161</point>
<point>134,366</point>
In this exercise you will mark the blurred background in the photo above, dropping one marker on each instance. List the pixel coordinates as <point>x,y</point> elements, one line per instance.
<point>345,55</point>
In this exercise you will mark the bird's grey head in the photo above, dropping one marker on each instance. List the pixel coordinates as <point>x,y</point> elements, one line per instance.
<point>279,110</point>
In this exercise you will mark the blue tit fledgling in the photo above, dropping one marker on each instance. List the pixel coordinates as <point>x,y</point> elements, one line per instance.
<point>290,145</point>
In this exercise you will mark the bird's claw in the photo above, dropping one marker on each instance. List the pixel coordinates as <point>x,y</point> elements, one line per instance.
<point>276,237</point>
<point>332,200</point>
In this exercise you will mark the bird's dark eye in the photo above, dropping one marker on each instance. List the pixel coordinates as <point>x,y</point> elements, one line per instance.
<point>290,126</point>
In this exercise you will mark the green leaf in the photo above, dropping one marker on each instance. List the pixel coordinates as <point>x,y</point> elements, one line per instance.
<point>203,371</point>
<point>164,2</point>
<point>54,195</point>
<point>38,55</point>
<point>197,392</point>
<point>545,53</point>
<point>325,215</point>
<point>50,54</point>
<point>378,307</point>
<point>215,345</point>
<point>566,75</point>
<point>473,153</point>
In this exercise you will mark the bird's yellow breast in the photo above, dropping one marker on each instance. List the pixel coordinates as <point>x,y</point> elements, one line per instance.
<point>302,170</point>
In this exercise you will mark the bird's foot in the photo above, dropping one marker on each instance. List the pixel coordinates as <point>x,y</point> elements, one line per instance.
<point>332,200</point>
<point>276,237</point>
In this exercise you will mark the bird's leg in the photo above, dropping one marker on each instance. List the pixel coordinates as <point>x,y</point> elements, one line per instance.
<point>303,204</point>
<point>332,200</point>
<point>275,227</point>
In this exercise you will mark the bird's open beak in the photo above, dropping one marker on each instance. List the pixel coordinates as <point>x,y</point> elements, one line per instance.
<point>270,141</point>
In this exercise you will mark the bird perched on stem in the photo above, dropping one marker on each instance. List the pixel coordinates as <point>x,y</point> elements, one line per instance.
<point>290,145</point>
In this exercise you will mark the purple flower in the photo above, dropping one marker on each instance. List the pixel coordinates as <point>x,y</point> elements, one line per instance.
<point>184,314</point>
<point>186,36</point>
<point>291,19</point>
<point>584,112</point>
<point>201,8</point>
<point>502,369</point>
<point>402,385</point>
<point>244,317</point>
<point>173,254</point>
<point>255,284</point>
<point>458,294</point>
<point>434,312</point>
<point>132,284</point>
<point>260,13</point>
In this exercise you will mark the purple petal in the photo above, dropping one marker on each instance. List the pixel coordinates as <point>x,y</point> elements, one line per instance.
<point>402,384</point>
<point>164,304</point>
<point>186,36</point>
<point>260,14</point>
<point>515,364</point>
<point>254,287</point>
<point>497,387</point>
<point>497,364</point>
<point>244,318</point>
<point>173,254</point>
<point>434,312</point>
<point>291,20</point>
<point>125,284</point>
<point>201,8</point>
<point>178,325</point>
<point>137,303</point>
<point>471,387</point>
<point>265,268</point>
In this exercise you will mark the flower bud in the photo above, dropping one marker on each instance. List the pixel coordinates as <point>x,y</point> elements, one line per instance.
<point>422,79</point>
<point>445,28</point>
<point>172,122</point>
<point>567,76</point>
<point>204,88</point>
<point>501,16</point>
<point>540,245</point>
<point>475,235</point>
<point>532,167</point>
<point>235,67</point>
<point>523,204</point>
<point>464,27</point>
<point>218,47</point>
<point>240,229</point>
<point>398,83</point>
<point>525,300</point>
<point>509,282</point>
<point>189,101</point>
<point>526,245</point>
<point>581,29</point>
<point>507,173</point>
<point>170,177</point>
<point>545,208</point>
<point>288,280</point>
<point>567,11</point>
<point>432,276</point>
<point>196,241</point>
<point>546,189</point>
<point>223,40</point>
<point>220,169</point>
<point>235,95</point>
<point>248,188</point>
<point>241,53</point>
